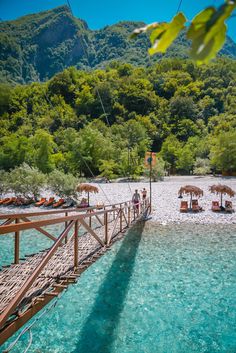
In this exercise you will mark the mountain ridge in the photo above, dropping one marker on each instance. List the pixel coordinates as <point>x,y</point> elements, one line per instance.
<point>35,47</point>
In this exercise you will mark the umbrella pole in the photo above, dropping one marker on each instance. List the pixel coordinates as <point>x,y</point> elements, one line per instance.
<point>221,200</point>
<point>88,198</point>
<point>190,201</point>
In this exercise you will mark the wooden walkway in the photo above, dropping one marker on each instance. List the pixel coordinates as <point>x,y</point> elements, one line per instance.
<point>29,284</point>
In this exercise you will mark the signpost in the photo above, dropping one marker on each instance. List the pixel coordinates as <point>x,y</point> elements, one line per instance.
<point>150,161</point>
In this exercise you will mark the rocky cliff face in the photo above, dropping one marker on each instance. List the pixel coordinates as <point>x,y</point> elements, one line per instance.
<point>35,47</point>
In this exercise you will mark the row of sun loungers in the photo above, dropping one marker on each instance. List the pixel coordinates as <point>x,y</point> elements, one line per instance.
<point>215,207</point>
<point>20,201</point>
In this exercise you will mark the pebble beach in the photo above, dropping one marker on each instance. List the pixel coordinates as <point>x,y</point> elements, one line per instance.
<point>165,201</point>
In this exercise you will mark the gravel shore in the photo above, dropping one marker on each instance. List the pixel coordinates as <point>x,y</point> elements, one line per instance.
<point>165,202</point>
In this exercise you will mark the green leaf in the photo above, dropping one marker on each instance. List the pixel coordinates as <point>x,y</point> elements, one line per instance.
<point>208,32</point>
<point>140,30</point>
<point>203,53</point>
<point>165,34</point>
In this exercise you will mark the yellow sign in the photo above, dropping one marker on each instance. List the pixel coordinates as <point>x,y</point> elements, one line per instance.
<point>150,159</point>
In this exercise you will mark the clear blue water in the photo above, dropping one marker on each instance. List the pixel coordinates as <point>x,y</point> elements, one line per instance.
<point>167,289</point>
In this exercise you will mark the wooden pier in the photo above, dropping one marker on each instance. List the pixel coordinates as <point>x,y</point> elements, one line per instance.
<point>29,284</point>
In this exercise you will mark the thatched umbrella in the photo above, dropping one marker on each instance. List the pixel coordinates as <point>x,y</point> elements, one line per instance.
<point>192,191</point>
<point>87,188</point>
<point>222,190</point>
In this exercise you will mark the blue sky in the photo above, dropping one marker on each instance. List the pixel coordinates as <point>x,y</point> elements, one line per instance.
<point>99,13</point>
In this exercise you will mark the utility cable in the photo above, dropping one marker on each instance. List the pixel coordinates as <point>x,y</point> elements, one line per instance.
<point>85,162</point>
<point>28,328</point>
<point>179,6</point>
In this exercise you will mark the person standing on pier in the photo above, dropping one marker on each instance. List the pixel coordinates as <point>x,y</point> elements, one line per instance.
<point>136,200</point>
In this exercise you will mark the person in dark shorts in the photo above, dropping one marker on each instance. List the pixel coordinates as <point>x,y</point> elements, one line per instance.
<point>136,200</point>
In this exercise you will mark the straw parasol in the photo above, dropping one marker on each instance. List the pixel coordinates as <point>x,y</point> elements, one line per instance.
<point>222,190</point>
<point>192,191</point>
<point>87,188</point>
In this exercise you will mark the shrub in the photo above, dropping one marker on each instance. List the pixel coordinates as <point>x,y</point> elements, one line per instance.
<point>62,184</point>
<point>202,166</point>
<point>26,181</point>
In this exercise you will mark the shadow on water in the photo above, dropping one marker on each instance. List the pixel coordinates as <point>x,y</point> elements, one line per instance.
<point>97,334</point>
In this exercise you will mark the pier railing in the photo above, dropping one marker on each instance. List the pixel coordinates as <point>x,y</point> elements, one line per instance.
<point>103,224</point>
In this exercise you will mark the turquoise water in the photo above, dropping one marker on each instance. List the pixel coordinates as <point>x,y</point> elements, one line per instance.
<point>167,289</point>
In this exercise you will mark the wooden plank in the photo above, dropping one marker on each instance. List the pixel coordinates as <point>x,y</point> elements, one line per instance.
<point>44,232</point>
<point>42,223</point>
<point>7,331</point>
<point>8,221</point>
<point>27,284</point>
<point>76,244</point>
<point>114,227</point>
<point>17,245</point>
<point>91,231</point>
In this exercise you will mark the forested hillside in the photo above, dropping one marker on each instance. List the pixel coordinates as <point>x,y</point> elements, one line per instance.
<point>36,47</point>
<point>184,112</point>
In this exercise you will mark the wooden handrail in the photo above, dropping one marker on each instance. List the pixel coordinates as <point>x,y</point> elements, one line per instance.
<point>13,304</point>
<point>9,228</point>
<point>49,212</point>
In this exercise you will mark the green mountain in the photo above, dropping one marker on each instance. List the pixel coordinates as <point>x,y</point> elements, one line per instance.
<point>35,47</point>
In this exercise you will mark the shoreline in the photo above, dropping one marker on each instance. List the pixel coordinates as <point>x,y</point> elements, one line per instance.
<point>165,202</point>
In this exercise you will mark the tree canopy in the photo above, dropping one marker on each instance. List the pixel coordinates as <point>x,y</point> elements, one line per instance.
<point>180,110</point>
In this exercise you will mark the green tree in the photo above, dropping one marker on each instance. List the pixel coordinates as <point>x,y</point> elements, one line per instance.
<point>62,184</point>
<point>170,151</point>
<point>223,152</point>
<point>202,166</point>
<point>185,160</point>
<point>26,181</point>
<point>42,145</point>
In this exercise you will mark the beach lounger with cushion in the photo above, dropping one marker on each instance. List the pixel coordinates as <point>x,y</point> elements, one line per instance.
<point>4,200</point>
<point>10,201</point>
<point>215,207</point>
<point>184,206</point>
<point>229,207</point>
<point>40,202</point>
<point>69,203</point>
<point>195,206</point>
<point>59,203</point>
<point>49,202</point>
<point>19,201</point>
<point>83,203</point>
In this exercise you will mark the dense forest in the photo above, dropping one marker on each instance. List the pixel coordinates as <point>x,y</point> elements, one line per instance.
<point>103,121</point>
<point>36,47</point>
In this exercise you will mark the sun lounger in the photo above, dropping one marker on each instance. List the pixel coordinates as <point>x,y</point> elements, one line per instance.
<point>19,201</point>
<point>10,201</point>
<point>83,203</point>
<point>49,202</point>
<point>58,203</point>
<point>41,202</point>
<point>4,200</point>
<point>100,206</point>
<point>215,206</point>
<point>195,206</point>
<point>184,206</point>
<point>28,202</point>
<point>229,207</point>
<point>69,203</point>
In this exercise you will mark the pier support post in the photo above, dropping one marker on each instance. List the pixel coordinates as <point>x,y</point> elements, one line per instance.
<point>90,219</point>
<point>76,245</point>
<point>106,227</point>
<point>128,215</point>
<point>120,218</point>
<point>66,224</point>
<point>17,245</point>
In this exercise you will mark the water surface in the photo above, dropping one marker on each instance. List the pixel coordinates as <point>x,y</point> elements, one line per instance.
<point>167,289</point>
